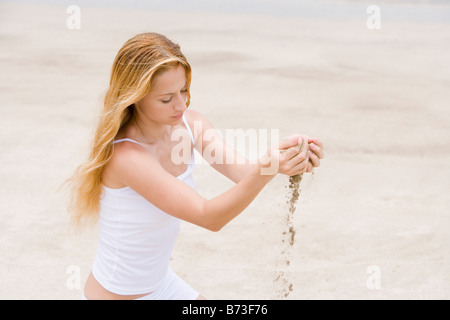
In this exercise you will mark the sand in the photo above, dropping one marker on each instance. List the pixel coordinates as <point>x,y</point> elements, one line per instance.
<point>378,99</point>
<point>284,283</point>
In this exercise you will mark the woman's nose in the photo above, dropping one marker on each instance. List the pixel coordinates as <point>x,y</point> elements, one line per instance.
<point>181,103</point>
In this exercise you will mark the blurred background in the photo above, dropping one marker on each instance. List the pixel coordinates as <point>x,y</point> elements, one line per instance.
<point>371,79</point>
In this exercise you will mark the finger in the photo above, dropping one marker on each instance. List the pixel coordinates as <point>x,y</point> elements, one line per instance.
<point>316,141</point>
<point>298,158</point>
<point>317,150</point>
<point>289,142</point>
<point>301,146</point>
<point>299,168</point>
<point>314,160</point>
<point>291,153</point>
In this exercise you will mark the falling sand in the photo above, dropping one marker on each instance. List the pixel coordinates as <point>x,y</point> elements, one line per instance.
<point>288,236</point>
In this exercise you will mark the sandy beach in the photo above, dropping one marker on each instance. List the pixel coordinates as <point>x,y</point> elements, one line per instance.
<point>371,223</point>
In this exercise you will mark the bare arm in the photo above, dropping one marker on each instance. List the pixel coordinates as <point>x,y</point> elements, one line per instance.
<point>223,208</point>
<point>210,144</point>
<point>141,172</point>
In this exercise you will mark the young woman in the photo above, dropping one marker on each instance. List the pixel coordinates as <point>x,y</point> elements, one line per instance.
<point>137,191</point>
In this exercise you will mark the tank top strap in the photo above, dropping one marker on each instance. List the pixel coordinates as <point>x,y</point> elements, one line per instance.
<point>185,123</point>
<point>126,139</point>
<point>189,129</point>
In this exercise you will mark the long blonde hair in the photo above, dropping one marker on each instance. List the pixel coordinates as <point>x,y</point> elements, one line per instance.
<point>140,60</point>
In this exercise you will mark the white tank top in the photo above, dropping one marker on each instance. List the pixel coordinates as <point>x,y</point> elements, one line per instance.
<point>135,238</point>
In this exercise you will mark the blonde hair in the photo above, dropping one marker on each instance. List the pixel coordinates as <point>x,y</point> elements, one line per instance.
<point>140,60</point>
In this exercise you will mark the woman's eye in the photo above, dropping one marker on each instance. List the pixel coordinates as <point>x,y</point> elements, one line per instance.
<point>168,100</point>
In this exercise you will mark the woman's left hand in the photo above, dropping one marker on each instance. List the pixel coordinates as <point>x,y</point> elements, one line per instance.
<point>315,153</point>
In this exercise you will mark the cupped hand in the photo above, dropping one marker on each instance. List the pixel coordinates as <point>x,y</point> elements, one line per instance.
<point>316,153</point>
<point>293,155</point>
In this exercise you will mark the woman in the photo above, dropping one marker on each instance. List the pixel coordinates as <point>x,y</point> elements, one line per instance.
<point>132,185</point>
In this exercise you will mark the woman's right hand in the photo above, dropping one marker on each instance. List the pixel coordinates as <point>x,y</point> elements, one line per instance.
<point>286,157</point>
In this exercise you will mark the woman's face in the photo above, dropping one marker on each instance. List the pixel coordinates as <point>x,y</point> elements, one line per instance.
<point>166,102</point>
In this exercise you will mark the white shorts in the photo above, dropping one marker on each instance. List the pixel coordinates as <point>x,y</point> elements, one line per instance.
<point>172,288</point>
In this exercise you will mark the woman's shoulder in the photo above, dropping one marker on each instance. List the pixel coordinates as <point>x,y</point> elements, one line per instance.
<point>193,115</point>
<point>124,155</point>
<point>197,121</point>
<point>127,150</point>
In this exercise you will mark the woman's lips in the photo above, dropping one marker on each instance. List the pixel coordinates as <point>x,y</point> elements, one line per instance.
<point>179,116</point>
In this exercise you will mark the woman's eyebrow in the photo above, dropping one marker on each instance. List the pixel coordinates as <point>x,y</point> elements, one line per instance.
<point>171,93</point>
